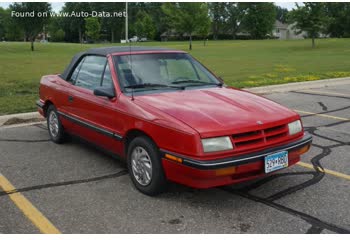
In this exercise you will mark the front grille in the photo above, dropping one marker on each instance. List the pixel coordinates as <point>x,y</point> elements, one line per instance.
<point>259,138</point>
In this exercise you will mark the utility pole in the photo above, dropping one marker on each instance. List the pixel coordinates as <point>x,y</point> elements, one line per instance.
<point>126,23</point>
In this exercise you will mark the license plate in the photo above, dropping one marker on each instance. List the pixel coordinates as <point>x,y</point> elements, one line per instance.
<point>276,161</point>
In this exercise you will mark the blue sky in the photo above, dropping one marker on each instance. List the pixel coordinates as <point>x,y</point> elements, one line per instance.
<point>56,6</point>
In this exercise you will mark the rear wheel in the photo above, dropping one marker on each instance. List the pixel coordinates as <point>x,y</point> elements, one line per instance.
<point>145,168</point>
<point>54,125</point>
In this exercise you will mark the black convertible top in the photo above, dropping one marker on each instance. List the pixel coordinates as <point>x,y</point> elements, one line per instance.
<point>109,50</point>
<point>104,51</point>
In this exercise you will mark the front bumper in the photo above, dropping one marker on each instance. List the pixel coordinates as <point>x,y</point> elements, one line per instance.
<point>204,174</point>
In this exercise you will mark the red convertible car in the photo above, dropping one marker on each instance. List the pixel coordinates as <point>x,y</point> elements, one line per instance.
<point>170,118</point>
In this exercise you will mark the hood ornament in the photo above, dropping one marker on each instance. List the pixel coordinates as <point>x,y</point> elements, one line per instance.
<point>259,122</point>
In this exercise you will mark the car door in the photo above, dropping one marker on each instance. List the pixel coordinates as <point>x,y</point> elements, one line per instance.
<point>94,117</point>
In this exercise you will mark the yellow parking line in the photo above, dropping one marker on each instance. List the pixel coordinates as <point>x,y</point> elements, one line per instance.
<point>322,92</point>
<point>322,115</point>
<point>331,172</point>
<point>31,212</point>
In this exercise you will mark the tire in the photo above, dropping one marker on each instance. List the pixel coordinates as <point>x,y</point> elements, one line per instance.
<point>144,166</point>
<point>56,130</point>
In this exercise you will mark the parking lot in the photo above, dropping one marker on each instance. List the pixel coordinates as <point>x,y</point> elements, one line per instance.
<point>75,188</point>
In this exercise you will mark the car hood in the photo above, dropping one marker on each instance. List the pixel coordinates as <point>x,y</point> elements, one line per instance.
<point>219,111</point>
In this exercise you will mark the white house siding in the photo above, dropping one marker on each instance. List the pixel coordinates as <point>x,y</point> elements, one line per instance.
<point>285,31</point>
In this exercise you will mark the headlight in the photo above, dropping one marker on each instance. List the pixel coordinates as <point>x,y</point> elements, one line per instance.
<point>294,127</point>
<point>216,144</point>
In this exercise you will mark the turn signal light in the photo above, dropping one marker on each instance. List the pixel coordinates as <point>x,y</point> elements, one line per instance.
<point>171,157</point>
<point>225,171</point>
<point>304,149</point>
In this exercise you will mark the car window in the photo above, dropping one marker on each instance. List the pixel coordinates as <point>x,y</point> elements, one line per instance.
<point>178,69</point>
<point>90,73</point>
<point>202,73</point>
<point>166,69</point>
<point>125,73</point>
<point>74,75</point>
<point>107,78</point>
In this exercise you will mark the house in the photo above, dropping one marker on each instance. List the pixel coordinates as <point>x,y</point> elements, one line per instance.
<point>285,31</point>
<point>171,35</point>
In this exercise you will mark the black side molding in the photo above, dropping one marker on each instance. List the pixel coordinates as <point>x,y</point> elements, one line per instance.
<point>241,159</point>
<point>92,127</point>
<point>39,104</point>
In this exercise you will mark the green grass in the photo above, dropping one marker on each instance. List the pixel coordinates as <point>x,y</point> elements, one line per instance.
<point>239,63</point>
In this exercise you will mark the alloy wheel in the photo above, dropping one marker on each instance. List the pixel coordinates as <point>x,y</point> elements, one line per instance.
<point>141,166</point>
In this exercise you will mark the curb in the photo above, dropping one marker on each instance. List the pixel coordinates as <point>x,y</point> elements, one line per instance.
<point>299,86</point>
<point>20,118</point>
<point>30,117</point>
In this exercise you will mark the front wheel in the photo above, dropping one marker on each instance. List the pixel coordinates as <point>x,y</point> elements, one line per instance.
<point>54,125</point>
<point>145,168</point>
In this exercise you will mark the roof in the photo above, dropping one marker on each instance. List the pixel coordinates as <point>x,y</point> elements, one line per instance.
<point>104,51</point>
<point>280,25</point>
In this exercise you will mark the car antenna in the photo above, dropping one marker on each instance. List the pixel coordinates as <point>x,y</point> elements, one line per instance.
<point>127,39</point>
<point>130,65</point>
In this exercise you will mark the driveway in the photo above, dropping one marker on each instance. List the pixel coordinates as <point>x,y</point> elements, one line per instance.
<point>75,188</point>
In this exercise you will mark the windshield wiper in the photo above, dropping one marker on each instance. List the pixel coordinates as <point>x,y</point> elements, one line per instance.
<point>152,85</point>
<point>196,83</point>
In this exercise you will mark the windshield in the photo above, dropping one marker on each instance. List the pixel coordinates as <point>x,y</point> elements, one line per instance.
<point>144,72</point>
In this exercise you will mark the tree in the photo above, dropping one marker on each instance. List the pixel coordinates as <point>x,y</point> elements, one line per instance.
<point>93,28</point>
<point>339,19</point>
<point>112,26</point>
<point>281,14</point>
<point>31,25</point>
<point>187,17</point>
<point>57,36</point>
<point>2,23</point>
<point>310,18</point>
<point>218,16</point>
<point>155,13</point>
<point>259,18</point>
<point>74,27</point>
<point>9,30</point>
<point>203,31</point>
<point>55,29</point>
<point>144,26</point>
<point>154,9</point>
<point>235,14</point>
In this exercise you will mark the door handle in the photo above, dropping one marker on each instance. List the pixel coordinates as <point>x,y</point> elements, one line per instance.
<point>70,98</point>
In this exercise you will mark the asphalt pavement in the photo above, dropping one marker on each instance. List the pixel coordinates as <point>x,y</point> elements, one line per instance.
<point>75,188</point>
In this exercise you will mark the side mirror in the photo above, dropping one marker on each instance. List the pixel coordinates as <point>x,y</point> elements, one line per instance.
<point>104,92</point>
